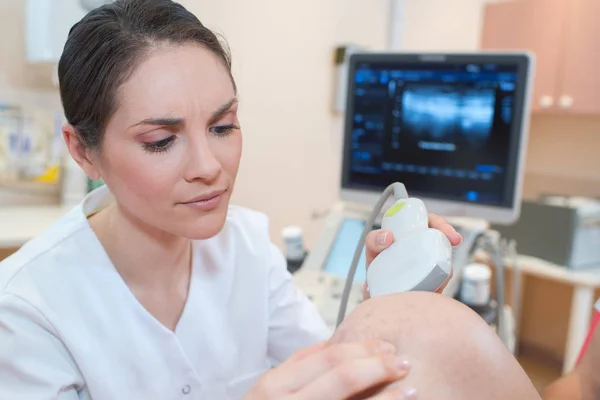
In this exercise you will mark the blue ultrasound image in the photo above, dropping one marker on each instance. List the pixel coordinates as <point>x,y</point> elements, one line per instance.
<point>447,113</point>
<point>433,126</point>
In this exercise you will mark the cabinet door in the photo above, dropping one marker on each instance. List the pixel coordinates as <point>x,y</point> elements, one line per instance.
<point>536,26</point>
<point>580,89</point>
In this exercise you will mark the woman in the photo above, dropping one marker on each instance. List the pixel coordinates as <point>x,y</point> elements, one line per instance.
<point>155,287</point>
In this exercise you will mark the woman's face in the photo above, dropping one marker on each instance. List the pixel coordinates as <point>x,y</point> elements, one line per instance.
<point>171,152</point>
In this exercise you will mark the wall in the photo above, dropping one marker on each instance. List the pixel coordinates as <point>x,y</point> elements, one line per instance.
<point>440,25</point>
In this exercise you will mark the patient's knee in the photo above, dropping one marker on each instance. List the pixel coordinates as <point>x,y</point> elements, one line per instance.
<point>435,321</point>
<point>453,353</point>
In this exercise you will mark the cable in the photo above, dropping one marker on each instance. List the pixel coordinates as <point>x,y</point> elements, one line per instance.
<point>516,298</point>
<point>399,191</point>
<point>500,287</point>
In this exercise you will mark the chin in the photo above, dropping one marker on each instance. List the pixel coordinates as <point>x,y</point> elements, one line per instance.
<point>206,226</point>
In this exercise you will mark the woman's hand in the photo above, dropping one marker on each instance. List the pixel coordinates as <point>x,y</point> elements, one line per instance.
<point>379,240</point>
<point>333,372</point>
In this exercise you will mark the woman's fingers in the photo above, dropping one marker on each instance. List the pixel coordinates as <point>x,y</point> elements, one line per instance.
<point>377,241</point>
<point>354,377</point>
<point>307,351</point>
<point>331,372</point>
<point>440,223</point>
<point>365,292</point>
<point>310,368</point>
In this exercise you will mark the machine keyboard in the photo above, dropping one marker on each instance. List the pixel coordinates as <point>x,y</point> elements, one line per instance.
<point>325,291</point>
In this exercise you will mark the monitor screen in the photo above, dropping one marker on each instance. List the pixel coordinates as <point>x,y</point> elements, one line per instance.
<point>449,130</point>
<point>340,256</point>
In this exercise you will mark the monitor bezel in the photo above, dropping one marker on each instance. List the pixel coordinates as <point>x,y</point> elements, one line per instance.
<point>520,132</point>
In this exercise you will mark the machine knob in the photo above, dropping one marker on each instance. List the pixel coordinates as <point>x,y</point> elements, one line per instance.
<point>566,101</point>
<point>546,101</point>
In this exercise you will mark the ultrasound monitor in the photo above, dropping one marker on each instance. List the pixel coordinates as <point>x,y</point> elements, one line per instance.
<point>452,128</point>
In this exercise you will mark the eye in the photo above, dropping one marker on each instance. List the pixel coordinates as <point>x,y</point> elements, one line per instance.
<point>223,130</point>
<point>160,145</point>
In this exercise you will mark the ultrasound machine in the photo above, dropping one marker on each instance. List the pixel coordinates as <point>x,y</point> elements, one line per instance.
<point>451,127</point>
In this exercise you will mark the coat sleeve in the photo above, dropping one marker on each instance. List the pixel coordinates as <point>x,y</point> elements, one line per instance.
<point>34,363</point>
<point>294,321</point>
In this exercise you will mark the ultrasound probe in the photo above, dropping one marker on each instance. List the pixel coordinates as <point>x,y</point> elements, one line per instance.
<point>420,259</point>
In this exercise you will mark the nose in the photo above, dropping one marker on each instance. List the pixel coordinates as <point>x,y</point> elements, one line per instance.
<point>201,161</point>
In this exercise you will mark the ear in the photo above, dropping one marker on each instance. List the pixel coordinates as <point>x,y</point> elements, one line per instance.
<point>80,154</point>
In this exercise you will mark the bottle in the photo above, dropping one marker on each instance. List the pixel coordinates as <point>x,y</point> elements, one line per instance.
<point>294,247</point>
<point>420,259</point>
<point>475,285</point>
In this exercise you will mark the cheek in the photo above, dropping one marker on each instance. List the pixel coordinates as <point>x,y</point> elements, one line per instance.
<point>132,173</point>
<point>228,152</point>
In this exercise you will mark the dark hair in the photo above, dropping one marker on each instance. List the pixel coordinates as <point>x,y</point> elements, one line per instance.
<point>106,46</point>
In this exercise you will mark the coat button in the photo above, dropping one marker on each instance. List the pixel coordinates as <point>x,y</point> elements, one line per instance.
<point>186,389</point>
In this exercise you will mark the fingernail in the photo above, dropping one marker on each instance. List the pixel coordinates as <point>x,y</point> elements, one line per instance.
<point>386,347</point>
<point>401,364</point>
<point>381,238</point>
<point>408,394</point>
<point>458,236</point>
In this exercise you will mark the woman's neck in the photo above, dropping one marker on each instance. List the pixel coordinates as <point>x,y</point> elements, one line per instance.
<point>144,255</point>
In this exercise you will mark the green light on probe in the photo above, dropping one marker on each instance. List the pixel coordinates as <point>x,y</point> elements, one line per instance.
<point>395,209</point>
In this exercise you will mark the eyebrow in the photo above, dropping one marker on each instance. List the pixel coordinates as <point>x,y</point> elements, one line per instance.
<point>163,121</point>
<point>170,121</point>
<point>223,109</point>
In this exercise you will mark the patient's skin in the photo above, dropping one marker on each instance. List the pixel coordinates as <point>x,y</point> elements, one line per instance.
<point>453,353</point>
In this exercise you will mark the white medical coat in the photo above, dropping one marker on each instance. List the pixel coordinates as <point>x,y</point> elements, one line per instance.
<point>71,329</point>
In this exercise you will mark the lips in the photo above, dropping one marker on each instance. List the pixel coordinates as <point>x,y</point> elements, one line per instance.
<point>205,197</point>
